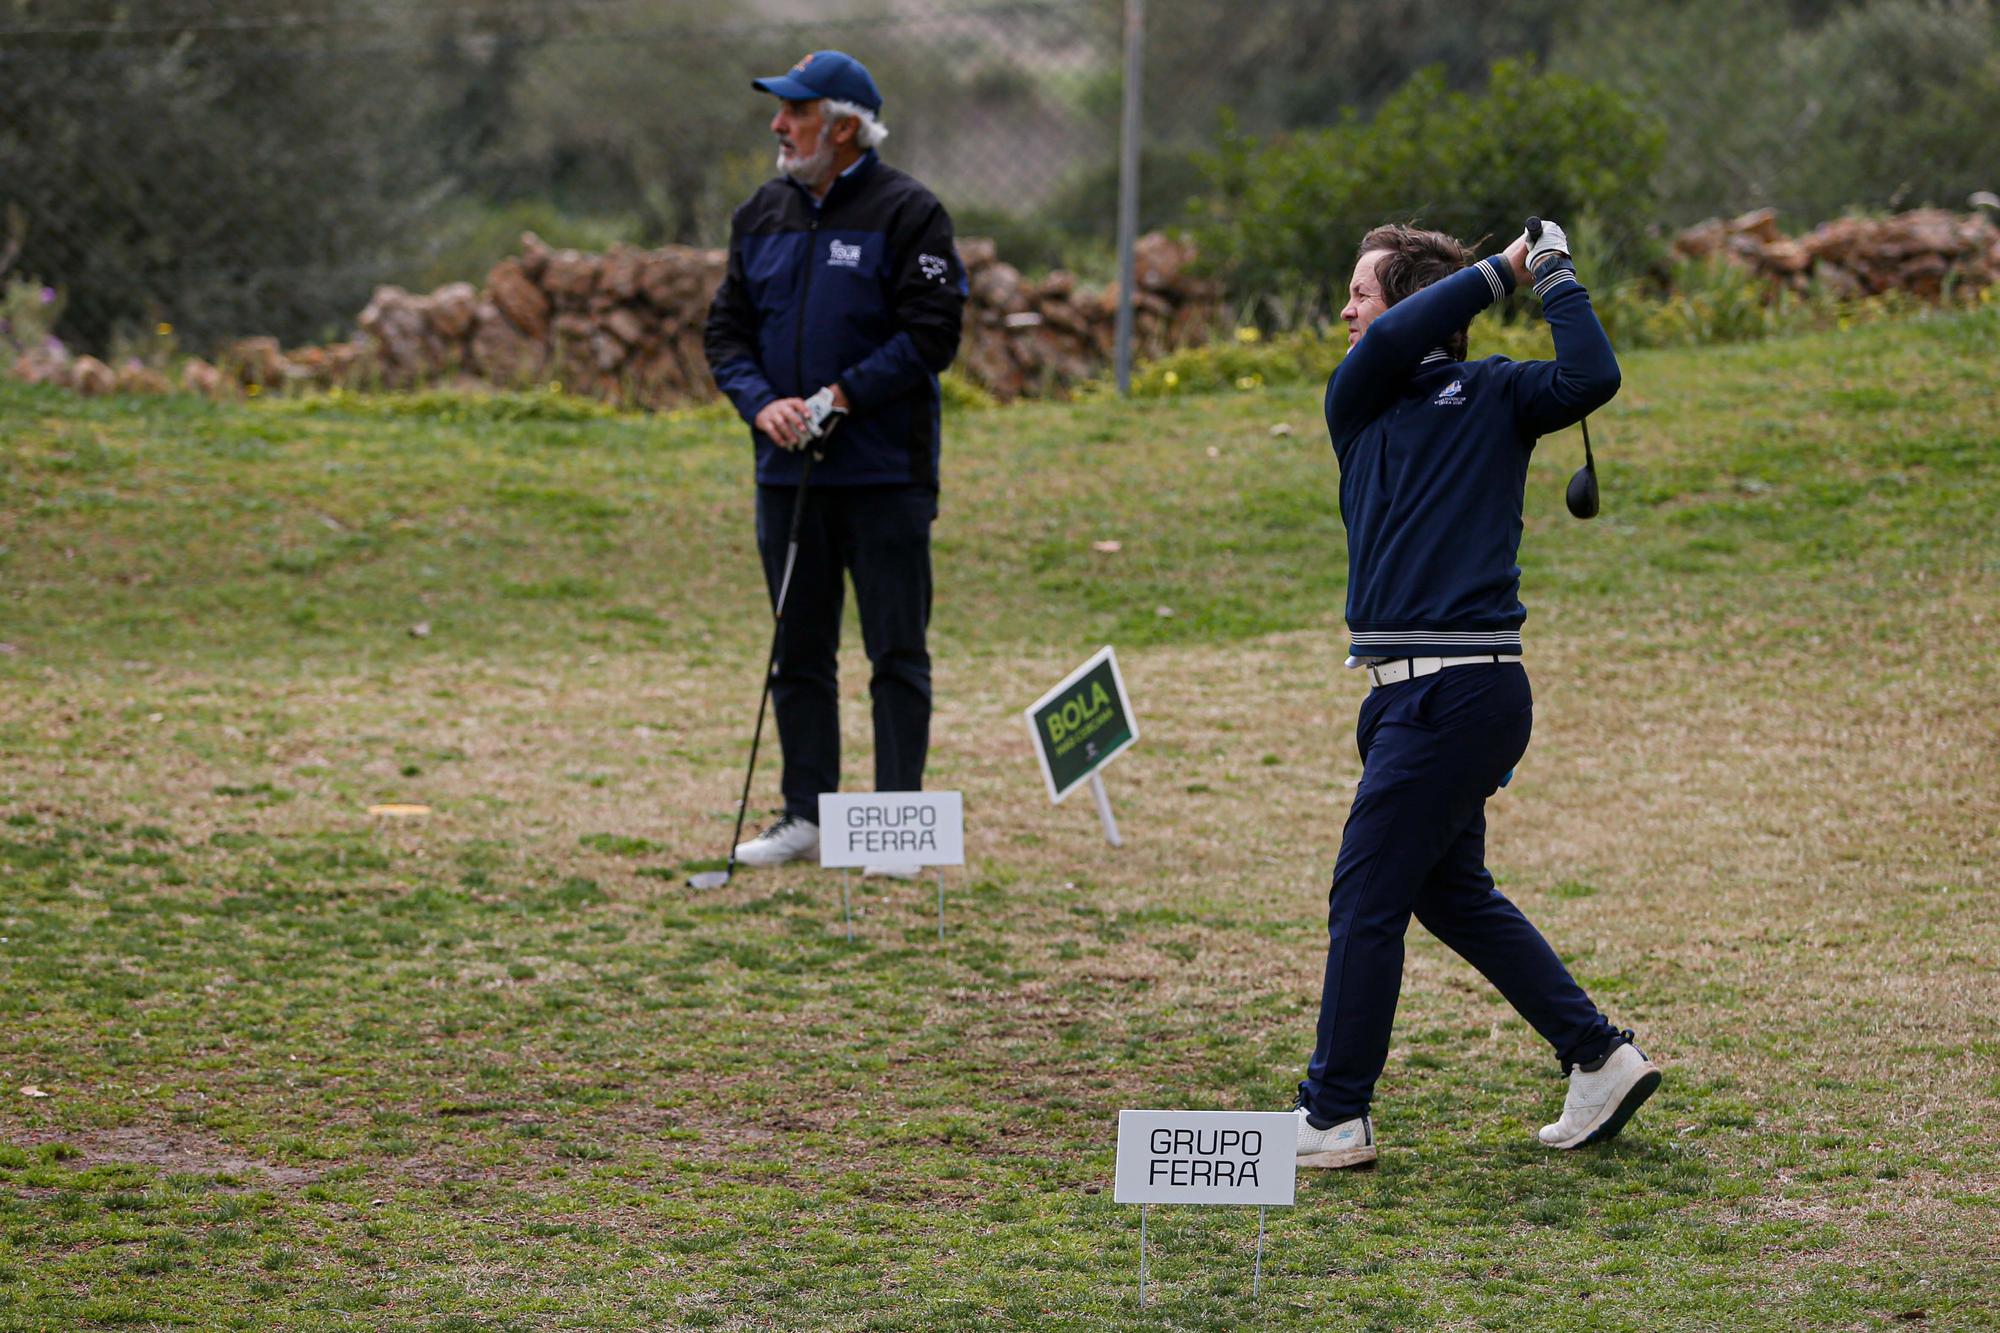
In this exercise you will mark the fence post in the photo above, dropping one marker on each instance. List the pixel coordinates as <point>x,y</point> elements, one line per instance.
<point>1128,185</point>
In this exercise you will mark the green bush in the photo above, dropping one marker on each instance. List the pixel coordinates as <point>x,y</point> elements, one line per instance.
<point>1711,303</point>
<point>1284,216</point>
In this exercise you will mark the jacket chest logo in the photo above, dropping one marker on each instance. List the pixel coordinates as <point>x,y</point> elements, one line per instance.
<point>1451,395</point>
<point>842,255</point>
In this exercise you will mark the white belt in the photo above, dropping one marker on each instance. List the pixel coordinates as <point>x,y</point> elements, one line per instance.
<point>1404,668</point>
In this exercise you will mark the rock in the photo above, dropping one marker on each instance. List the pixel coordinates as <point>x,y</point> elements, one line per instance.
<point>976,252</point>
<point>1760,225</point>
<point>1158,259</point>
<point>43,365</point>
<point>255,361</point>
<point>450,309</point>
<point>399,326</point>
<point>620,278</point>
<point>198,376</point>
<point>626,326</point>
<point>606,352</point>
<point>91,377</point>
<point>998,287</point>
<point>137,377</point>
<point>534,256</point>
<point>524,304</point>
<point>500,351</point>
<point>569,278</point>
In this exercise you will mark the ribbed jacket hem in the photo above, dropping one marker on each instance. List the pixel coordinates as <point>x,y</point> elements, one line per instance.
<point>1433,642</point>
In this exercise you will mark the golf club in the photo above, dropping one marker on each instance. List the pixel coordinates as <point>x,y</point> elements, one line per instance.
<point>715,879</point>
<point>1581,494</point>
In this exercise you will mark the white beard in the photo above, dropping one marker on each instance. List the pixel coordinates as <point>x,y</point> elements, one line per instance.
<point>810,172</point>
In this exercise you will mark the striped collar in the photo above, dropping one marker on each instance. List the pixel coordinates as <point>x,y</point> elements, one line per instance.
<point>1434,356</point>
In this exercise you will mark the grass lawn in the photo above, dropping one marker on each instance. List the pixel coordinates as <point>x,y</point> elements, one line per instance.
<point>267,1061</point>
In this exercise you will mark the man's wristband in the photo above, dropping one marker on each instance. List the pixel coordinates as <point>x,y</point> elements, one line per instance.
<point>1551,273</point>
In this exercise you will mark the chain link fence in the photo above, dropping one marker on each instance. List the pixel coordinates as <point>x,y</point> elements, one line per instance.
<point>258,166</point>
<point>236,170</point>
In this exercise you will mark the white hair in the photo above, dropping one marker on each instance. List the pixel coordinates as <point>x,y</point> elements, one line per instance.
<point>871,131</point>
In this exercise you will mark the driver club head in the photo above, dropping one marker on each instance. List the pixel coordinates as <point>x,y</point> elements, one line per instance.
<point>1581,497</point>
<point>708,879</point>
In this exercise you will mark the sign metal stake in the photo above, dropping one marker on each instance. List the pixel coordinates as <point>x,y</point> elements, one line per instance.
<point>1257,1273</point>
<point>846,907</point>
<point>1104,810</point>
<point>1142,1256</point>
<point>940,875</point>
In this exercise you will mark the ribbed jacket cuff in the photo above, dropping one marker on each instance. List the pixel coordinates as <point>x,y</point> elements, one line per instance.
<point>1554,275</point>
<point>1499,275</point>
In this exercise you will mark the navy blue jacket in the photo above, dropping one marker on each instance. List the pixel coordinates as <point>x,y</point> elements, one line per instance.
<point>864,289</point>
<point>1434,461</point>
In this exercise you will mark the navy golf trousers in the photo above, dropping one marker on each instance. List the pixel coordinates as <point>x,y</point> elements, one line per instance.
<point>882,536</point>
<point>1432,750</point>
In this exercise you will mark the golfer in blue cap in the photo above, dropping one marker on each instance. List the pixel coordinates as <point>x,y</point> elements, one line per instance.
<point>844,294</point>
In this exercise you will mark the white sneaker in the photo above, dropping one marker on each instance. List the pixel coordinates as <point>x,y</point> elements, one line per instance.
<point>1349,1143</point>
<point>787,840</point>
<point>1601,1100</point>
<point>888,872</point>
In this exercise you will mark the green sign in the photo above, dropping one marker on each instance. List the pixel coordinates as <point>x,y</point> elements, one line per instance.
<point>1082,724</point>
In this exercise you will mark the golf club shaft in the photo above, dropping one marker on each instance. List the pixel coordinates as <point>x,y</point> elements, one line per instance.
<point>771,660</point>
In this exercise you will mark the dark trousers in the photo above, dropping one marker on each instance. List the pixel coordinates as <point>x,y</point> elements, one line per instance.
<point>882,536</point>
<point>1432,750</point>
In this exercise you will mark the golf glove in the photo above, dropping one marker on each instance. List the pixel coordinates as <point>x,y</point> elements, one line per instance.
<point>821,415</point>
<point>1547,249</point>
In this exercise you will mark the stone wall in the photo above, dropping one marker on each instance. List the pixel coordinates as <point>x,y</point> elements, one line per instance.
<point>626,327</point>
<point>1918,252</point>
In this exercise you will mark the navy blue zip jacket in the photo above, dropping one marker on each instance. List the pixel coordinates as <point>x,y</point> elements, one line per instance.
<point>864,289</point>
<point>1434,461</point>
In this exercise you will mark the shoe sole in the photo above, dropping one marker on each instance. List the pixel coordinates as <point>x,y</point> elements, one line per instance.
<point>1362,1159</point>
<point>1608,1125</point>
<point>743,860</point>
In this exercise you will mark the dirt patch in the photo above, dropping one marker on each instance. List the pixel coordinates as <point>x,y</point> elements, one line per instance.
<point>169,1151</point>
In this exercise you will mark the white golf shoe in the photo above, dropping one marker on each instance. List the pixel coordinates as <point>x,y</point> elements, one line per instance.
<point>888,872</point>
<point>790,839</point>
<point>1603,1098</point>
<point>1348,1144</point>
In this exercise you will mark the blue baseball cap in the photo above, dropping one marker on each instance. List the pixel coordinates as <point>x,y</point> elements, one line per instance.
<point>834,74</point>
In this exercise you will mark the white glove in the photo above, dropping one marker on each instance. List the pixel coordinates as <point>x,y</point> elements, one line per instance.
<point>822,415</point>
<point>1545,249</point>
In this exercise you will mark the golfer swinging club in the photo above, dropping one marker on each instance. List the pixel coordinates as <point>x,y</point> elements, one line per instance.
<point>1433,453</point>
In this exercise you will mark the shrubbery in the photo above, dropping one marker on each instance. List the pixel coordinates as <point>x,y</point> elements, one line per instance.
<point>1708,304</point>
<point>1284,216</point>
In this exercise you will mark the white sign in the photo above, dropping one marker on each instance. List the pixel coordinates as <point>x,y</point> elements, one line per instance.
<point>892,828</point>
<point>1230,1157</point>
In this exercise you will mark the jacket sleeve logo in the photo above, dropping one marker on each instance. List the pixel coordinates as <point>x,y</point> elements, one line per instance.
<point>1451,395</point>
<point>844,256</point>
<point>932,267</point>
